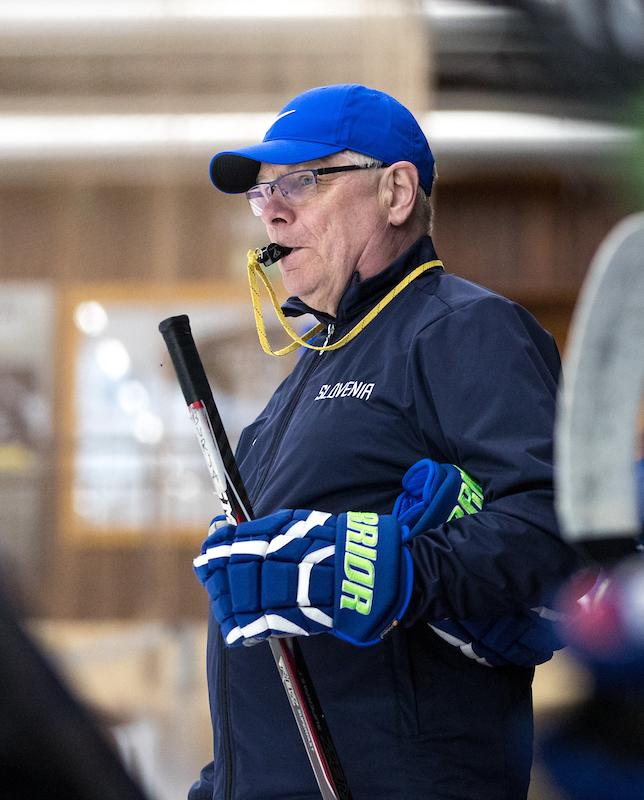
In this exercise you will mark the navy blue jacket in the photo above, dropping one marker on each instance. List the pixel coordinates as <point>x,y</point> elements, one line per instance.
<point>449,371</point>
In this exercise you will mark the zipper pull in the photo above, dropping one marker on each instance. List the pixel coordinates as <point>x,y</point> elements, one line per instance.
<point>329,333</point>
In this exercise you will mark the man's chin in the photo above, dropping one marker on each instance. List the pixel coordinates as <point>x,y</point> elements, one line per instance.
<point>292,272</point>
<point>298,272</point>
<point>295,286</point>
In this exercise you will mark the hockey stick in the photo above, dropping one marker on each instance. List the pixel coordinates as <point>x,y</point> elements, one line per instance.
<point>598,404</point>
<point>234,500</point>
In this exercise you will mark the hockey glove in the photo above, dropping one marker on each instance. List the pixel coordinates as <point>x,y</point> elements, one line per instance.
<point>298,573</point>
<point>434,493</point>
<point>524,638</point>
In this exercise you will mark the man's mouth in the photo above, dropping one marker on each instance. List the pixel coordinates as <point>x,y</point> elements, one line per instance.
<point>291,250</point>
<point>272,253</point>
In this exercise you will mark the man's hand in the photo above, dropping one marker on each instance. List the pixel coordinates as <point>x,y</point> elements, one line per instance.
<point>299,573</point>
<point>527,636</point>
<point>434,493</point>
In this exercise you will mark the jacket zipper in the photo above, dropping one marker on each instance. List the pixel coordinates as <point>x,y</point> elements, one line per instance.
<point>222,694</point>
<point>329,333</point>
<point>223,704</point>
<point>287,417</point>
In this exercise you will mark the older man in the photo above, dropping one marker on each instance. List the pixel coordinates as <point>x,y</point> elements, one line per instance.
<point>412,366</point>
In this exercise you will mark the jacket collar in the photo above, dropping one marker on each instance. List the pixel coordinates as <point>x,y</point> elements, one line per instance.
<point>360,296</point>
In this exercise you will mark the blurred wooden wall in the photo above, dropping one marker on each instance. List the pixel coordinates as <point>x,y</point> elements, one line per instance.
<point>74,220</point>
<point>529,238</point>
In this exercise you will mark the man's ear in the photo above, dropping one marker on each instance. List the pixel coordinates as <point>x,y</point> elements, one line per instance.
<point>399,189</point>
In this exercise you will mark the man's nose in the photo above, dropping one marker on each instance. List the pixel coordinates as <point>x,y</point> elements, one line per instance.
<point>277,209</point>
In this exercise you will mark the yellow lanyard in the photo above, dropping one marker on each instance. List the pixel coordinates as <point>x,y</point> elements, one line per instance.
<point>255,269</point>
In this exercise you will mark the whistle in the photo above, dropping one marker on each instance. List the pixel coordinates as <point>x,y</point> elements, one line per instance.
<point>271,253</point>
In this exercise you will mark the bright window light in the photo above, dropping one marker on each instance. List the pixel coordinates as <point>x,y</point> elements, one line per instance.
<point>458,10</point>
<point>112,358</point>
<point>38,137</point>
<point>90,318</point>
<point>132,397</point>
<point>500,132</point>
<point>148,428</point>
<point>41,12</point>
<point>92,133</point>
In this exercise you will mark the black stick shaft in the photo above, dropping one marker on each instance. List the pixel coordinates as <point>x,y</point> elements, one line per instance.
<point>230,489</point>
<point>194,384</point>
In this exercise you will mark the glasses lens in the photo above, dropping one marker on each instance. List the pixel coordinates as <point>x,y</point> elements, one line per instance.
<point>258,197</point>
<point>294,187</point>
<point>297,186</point>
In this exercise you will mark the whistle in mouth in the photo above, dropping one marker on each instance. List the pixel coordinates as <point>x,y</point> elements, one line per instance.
<point>271,253</point>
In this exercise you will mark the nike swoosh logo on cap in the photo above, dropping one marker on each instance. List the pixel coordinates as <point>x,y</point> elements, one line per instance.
<point>285,114</point>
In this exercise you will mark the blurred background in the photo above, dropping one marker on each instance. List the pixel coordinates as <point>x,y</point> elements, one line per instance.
<point>109,113</point>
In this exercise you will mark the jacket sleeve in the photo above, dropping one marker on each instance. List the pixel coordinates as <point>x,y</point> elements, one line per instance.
<point>203,789</point>
<point>485,377</point>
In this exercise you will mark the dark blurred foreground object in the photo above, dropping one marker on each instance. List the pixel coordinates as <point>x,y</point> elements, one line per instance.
<point>49,744</point>
<point>597,751</point>
<point>592,49</point>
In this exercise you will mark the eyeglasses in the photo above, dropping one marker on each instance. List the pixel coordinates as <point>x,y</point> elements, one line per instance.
<point>296,187</point>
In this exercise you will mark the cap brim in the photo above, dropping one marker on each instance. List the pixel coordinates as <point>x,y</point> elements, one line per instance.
<point>235,171</point>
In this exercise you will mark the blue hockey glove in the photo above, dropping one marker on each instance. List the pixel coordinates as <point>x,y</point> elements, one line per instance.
<point>526,637</point>
<point>299,573</point>
<point>434,493</point>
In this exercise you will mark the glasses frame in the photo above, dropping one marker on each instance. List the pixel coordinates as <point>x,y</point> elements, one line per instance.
<point>315,172</point>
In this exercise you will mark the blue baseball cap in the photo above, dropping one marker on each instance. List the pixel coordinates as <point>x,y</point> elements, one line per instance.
<point>326,120</point>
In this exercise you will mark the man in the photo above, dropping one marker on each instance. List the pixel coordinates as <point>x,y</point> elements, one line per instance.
<point>414,366</point>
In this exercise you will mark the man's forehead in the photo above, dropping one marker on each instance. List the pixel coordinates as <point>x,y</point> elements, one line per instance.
<point>268,172</point>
